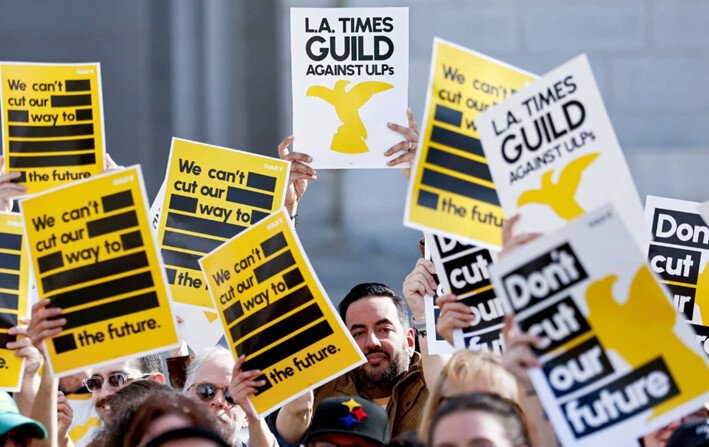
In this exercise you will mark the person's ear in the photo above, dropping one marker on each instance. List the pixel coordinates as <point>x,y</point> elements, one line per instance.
<point>158,377</point>
<point>411,342</point>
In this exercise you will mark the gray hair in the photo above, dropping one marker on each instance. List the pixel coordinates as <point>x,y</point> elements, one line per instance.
<point>209,354</point>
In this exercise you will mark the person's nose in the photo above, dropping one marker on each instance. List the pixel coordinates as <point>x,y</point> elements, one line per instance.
<point>372,341</point>
<point>219,400</point>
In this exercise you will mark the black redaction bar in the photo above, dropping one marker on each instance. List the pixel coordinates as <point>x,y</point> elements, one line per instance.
<point>82,144</point>
<point>70,130</point>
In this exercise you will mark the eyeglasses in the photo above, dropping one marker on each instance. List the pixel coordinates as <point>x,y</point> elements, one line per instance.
<point>207,392</point>
<point>115,380</point>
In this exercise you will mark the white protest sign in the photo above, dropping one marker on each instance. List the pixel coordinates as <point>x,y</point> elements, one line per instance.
<point>553,154</point>
<point>350,77</point>
<point>679,254</point>
<point>463,270</point>
<point>618,360</point>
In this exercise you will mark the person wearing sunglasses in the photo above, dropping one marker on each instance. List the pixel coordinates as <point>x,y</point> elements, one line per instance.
<point>103,382</point>
<point>207,379</point>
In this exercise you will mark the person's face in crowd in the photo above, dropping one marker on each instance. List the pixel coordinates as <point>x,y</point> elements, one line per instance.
<point>217,373</point>
<point>17,437</point>
<point>659,438</point>
<point>112,378</point>
<point>340,440</point>
<point>469,428</point>
<point>375,326</point>
<point>73,383</point>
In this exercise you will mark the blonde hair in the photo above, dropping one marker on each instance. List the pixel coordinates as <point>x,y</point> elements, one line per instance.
<point>465,369</point>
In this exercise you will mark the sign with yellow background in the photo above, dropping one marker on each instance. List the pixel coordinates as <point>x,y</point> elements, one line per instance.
<point>451,191</point>
<point>14,293</point>
<point>94,256</point>
<point>52,118</point>
<point>275,311</point>
<point>212,194</point>
<point>618,361</point>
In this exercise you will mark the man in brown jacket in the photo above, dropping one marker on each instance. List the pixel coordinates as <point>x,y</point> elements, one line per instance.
<point>393,376</point>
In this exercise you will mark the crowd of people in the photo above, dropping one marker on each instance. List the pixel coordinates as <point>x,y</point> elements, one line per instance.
<point>401,396</point>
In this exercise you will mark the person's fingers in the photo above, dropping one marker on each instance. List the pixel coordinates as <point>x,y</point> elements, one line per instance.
<point>36,307</point>
<point>405,158</point>
<point>298,156</point>
<point>517,242</point>
<point>17,330</point>
<point>17,344</point>
<point>10,176</point>
<point>301,168</point>
<point>283,146</point>
<point>402,146</point>
<point>508,228</point>
<point>447,298</point>
<point>406,132</point>
<point>412,122</point>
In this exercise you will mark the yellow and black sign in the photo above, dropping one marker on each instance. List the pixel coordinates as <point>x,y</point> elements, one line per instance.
<point>212,194</point>
<point>14,290</point>
<point>94,256</point>
<point>52,122</point>
<point>275,311</point>
<point>451,190</point>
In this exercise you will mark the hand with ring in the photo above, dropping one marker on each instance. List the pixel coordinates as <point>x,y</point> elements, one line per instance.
<point>408,146</point>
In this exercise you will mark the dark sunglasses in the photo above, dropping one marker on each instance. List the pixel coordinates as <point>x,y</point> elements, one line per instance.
<point>115,380</point>
<point>207,391</point>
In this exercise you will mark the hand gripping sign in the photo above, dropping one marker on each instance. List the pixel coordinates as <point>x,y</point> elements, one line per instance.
<point>275,311</point>
<point>679,254</point>
<point>553,154</point>
<point>451,192</point>
<point>463,271</point>
<point>94,256</point>
<point>52,118</point>
<point>617,360</point>
<point>211,194</point>
<point>350,77</point>
<point>14,292</point>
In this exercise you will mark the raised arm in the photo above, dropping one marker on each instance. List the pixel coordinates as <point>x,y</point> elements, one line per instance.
<point>417,284</point>
<point>300,174</point>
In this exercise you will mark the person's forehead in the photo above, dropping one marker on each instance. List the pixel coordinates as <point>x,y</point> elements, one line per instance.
<point>371,309</point>
<point>216,371</point>
<point>126,367</point>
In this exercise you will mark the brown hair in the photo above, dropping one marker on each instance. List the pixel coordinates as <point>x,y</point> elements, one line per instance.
<point>176,404</point>
<point>504,410</point>
<point>461,372</point>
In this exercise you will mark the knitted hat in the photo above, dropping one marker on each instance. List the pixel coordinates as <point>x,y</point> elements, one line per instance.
<point>348,415</point>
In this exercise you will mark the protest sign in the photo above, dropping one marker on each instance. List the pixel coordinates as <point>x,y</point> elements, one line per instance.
<point>199,328</point>
<point>436,343</point>
<point>275,311</point>
<point>52,122</point>
<point>350,69</point>
<point>211,194</point>
<point>94,256</point>
<point>85,422</point>
<point>451,191</point>
<point>553,154</point>
<point>463,271</point>
<point>14,292</point>
<point>617,360</point>
<point>679,254</point>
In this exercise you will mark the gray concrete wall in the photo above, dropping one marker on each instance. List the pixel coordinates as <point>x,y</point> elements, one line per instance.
<point>219,72</point>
